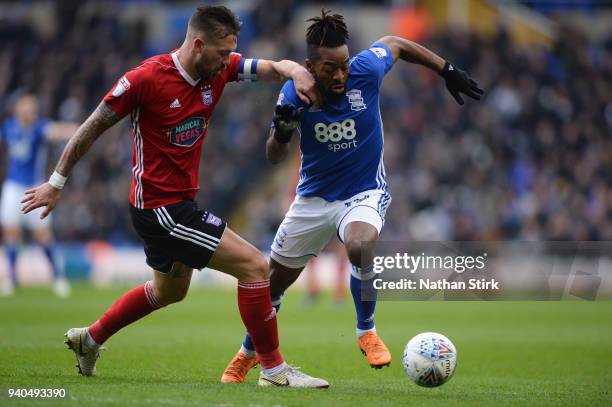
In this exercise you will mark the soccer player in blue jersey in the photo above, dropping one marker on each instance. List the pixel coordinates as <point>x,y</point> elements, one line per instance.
<point>342,189</point>
<point>26,137</point>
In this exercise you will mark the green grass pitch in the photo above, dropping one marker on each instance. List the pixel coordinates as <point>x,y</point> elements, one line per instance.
<point>509,353</point>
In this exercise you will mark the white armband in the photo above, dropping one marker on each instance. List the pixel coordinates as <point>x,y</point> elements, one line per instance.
<point>57,180</point>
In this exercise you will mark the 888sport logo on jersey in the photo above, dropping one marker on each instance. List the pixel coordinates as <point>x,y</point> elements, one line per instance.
<point>338,135</point>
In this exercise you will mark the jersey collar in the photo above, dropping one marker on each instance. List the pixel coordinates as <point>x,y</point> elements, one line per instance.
<point>182,70</point>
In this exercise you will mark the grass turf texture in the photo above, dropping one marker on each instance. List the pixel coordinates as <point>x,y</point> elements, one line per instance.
<point>510,353</point>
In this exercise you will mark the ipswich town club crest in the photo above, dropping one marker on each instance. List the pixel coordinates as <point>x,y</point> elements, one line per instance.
<point>212,219</point>
<point>207,97</point>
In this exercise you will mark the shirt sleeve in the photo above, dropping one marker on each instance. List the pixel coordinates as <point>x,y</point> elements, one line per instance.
<point>288,95</point>
<point>376,60</point>
<point>242,69</point>
<point>130,91</point>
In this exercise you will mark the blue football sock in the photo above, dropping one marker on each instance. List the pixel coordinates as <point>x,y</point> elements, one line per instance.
<point>11,254</point>
<point>247,343</point>
<point>362,282</point>
<point>55,259</point>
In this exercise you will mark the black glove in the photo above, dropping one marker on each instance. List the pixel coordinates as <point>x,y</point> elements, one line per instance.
<point>459,81</point>
<point>286,119</point>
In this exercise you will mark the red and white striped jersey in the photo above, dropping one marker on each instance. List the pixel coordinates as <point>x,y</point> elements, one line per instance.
<point>170,112</point>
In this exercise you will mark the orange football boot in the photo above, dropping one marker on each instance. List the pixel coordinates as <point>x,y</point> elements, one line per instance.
<point>374,349</point>
<point>238,368</point>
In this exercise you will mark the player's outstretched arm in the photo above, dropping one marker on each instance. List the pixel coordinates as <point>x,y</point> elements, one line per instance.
<point>97,123</point>
<point>48,194</point>
<point>60,131</point>
<point>272,71</point>
<point>457,80</point>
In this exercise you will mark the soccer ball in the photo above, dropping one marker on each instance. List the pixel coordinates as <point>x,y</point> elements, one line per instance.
<point>430,359</point>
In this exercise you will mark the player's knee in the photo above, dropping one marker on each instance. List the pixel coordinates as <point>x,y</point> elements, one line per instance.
<point>358,252</point>
<point>172,287</point>
<point>258,269</point>
<point>170,295</point>
<point>353,251</point>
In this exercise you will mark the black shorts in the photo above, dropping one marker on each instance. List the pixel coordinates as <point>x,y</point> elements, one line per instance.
<point>178,232</point>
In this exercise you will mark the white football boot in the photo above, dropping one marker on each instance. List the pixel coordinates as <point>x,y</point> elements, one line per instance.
<point>76,339</point>
<point>292,377</point>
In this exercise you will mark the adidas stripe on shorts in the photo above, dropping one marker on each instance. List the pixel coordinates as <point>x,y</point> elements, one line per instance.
<point>179,232</point>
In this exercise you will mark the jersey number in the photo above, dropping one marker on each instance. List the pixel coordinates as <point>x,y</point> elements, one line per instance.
<point>335,131</point>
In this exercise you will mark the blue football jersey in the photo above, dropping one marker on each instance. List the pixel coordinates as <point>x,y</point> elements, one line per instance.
<point>27,150</point>
<point>342,143</point>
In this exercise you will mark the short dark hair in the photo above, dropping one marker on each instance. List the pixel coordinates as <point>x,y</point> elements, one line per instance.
<point>328,30</point>
<point>215,21</point>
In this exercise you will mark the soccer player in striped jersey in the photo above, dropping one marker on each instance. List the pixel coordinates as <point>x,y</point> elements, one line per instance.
<point>342,189</point>
<point>170,99</point>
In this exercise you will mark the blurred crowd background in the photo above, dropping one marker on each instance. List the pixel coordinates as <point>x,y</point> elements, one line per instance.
<point>531,161</point>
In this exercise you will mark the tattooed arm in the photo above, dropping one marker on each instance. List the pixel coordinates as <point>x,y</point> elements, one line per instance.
<point>47,195</point>
<point>97,123</point>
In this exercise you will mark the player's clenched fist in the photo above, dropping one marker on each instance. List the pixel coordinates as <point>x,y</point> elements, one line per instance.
<point>286,119</point>
<point>43,195</point>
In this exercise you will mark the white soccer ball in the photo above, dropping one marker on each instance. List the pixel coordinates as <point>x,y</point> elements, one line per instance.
<point>430,359</point>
